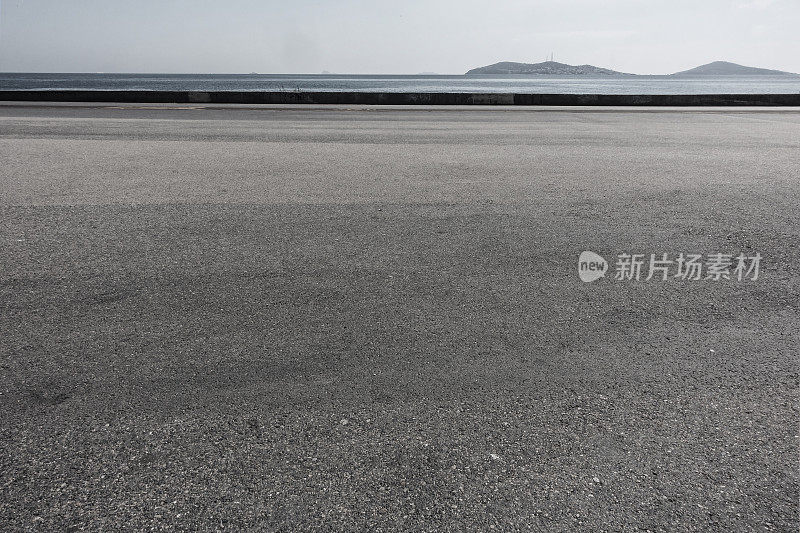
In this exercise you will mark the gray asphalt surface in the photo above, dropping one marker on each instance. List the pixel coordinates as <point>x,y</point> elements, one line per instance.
<point>367,318</point>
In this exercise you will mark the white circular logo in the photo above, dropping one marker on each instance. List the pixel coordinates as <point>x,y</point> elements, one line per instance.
<point>591,266</point>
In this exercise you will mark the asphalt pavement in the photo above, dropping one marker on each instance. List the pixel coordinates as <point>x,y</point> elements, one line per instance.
<point>350,317</point>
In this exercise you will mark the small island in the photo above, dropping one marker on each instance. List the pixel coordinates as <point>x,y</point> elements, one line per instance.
<point>726,68</point>
<point>549,68</point>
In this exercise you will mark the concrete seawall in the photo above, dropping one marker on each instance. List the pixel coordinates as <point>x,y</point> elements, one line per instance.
<point>368,98</point>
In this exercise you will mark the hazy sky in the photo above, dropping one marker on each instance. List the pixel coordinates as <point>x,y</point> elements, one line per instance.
<point>407,36</point>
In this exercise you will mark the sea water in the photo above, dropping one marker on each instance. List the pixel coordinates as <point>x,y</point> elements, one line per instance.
<point>406,83</point>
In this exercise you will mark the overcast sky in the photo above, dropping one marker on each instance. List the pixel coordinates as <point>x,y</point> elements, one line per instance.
<point>407,36</point>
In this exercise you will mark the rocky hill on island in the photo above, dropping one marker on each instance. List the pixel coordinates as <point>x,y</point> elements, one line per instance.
<point>546,67</point>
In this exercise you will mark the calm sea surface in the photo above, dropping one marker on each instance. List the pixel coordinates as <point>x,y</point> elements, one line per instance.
<point>403,83</point>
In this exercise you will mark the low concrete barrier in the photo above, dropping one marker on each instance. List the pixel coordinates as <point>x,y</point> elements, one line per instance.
<point>353,98</point>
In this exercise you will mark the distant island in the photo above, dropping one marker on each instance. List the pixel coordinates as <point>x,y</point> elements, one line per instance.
<point>726,68</point>
<point>554,68</point>
<point>546,67</point>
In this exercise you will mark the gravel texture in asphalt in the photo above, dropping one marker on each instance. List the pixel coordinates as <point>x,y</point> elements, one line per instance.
<point>366,318</point>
